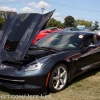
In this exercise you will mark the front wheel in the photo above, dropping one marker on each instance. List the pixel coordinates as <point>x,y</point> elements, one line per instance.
<point>58,78</point>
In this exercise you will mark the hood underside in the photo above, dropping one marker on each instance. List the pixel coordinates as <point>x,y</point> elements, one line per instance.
<point>18,33</point>
<point>32,55</point>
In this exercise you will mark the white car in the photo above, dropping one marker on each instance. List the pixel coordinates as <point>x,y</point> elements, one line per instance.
<point>97,31</point>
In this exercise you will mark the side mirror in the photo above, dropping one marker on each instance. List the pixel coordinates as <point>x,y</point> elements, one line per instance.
<point>91,46</point>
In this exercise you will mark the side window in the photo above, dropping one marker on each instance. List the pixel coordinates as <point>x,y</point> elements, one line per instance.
<point>88,41</point>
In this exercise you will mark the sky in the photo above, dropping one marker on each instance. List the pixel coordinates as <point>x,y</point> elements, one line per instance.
<point>88,10</point>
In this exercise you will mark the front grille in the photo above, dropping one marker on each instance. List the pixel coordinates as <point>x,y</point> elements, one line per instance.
<point>12,80</point>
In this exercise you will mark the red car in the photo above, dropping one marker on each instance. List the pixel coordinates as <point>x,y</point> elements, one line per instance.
<point>44,32</point>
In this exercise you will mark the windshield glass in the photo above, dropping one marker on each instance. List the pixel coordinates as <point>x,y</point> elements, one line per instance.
<point>61,41</point>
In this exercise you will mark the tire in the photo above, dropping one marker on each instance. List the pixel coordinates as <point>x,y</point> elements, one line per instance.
<point>58,78</point>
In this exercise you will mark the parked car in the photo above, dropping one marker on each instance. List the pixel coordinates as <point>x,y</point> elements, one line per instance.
<point>71,29</point>
<point>51,63</point>
<point>93,28</point>
<point>44,32</point>
<point>97,31</point>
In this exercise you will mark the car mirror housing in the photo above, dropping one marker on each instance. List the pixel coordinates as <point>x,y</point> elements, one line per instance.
<point>91,46</point>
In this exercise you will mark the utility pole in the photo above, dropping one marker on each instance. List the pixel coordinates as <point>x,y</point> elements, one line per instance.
<point>43,7</point>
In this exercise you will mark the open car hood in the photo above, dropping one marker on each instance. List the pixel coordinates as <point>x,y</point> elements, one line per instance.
<point>18,33</point>
<point>7,24</point>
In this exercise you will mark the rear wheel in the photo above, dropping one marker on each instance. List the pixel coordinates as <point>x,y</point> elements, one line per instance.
<point>58,78</point>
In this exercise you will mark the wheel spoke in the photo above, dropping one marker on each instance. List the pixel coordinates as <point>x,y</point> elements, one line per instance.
<point>58,71</point>
<point>55,78</point>
<point>63,74</point>
<point>57,85</point>
<point>62,81</point>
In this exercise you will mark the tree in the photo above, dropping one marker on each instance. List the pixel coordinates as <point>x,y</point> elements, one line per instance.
<point>3,17</point>
<point>83,22</point>
<point>96,24</point>
<point>69,21</point>
<point>54,23</point>
<point>4,14</point>
<point>1,21</point>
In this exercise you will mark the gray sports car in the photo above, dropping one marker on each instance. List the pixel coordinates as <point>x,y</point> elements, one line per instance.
<point>49,64</point>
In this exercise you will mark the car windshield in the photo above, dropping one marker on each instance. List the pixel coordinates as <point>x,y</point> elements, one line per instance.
<point>61,41</point>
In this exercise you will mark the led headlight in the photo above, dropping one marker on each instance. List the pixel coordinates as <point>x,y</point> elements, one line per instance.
<point>37,64</point>
<point>34,66</point>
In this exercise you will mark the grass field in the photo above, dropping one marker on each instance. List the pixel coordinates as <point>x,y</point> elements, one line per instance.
<point>84,87</point>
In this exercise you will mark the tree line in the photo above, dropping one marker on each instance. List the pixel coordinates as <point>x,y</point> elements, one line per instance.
<point>69,21</point>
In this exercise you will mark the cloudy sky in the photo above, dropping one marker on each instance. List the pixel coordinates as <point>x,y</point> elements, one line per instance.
<point>79,9</point>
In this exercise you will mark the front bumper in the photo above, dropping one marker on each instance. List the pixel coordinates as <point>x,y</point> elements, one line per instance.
<point>20,80</point>
<point>25,87</point>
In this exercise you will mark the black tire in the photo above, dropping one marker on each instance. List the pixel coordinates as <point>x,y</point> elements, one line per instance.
<point>58,79</point>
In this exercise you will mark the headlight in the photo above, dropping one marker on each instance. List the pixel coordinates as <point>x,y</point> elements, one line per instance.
<point>37,64</point>
<point>34,66</point>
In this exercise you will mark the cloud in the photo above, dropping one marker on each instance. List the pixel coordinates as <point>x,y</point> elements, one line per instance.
<point>45,11</point>
<point>39,5</point>
<point>5,8</point>
<point>57,16</point>
<point>75,17</point>
<point>28,10</point>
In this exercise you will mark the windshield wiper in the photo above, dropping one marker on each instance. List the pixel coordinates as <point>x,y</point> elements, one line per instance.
<point>33,47</point>
<point>43,48</point>
<point>49,49</point>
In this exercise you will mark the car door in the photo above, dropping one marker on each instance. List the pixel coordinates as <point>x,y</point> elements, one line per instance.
<point>89,53</point>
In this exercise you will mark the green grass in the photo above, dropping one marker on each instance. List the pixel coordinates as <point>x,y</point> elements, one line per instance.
<point>84,87</point>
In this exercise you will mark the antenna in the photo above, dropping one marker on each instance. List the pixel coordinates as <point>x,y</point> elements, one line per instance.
<point>43,7</point>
